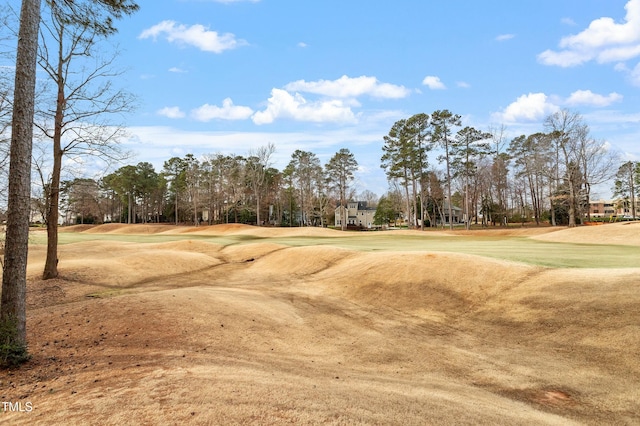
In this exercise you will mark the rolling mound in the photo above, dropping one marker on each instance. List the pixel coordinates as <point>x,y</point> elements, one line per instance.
<point>193,332</point>
<point>119,228</point>
<point>625,233</point>
<point>225,229</point>
<point>75,228</point>
<point>263,232</point>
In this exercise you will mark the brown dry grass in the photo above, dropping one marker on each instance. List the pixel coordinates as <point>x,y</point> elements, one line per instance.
<point>624,233</point>
<point>190,332</point>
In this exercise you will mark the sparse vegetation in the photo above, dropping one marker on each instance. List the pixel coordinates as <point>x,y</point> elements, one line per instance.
<point>13,351</point>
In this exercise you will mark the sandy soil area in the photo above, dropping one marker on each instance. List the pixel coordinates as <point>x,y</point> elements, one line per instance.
<point>190,332</point>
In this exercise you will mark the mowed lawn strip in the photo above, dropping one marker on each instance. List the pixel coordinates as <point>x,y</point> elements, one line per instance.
<point>516,249</point>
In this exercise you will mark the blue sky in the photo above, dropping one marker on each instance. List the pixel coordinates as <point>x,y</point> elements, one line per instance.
<point>227,76</point>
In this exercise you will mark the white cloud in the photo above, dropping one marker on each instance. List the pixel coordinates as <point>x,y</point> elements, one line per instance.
<point>171,112</point>
<point>534,107</point>
<point>568,21</point>
<point>564,59</point>
<point>228,111</point>
<point>433,83</point>
<point>282,104</point>
<point>195,35</point>
<point>157,143</point>
<point>603,41</point>
<point>177,70</point>
<point>505,37</point>
<point>302,44</point>
<point>463,84</point>
<point>587,97</point>
<point>347,87</point>
<point>634,75</point>
<point>531,107</point>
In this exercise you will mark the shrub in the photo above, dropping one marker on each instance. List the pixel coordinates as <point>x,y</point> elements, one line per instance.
<point>12,353</point>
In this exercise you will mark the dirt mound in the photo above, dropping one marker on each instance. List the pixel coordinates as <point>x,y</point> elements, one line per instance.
<point>250,252</point>
<point>75,228</point>
<point>508,232</point>
<point>225,229</point>
<point>416,282</point>
<point>626,233</point>
<point>214,230</point>
<point>122,228</point>
<point>116,265</point>
<point>264,232</point>
<point>419,233</point>
<point>150,358</point>
<point>303,232</point>
<point>296,262</point>
<point>105,228</point>
<point>197,246</point>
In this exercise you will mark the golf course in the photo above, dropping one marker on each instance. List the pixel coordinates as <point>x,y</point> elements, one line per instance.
<point>235,324</point>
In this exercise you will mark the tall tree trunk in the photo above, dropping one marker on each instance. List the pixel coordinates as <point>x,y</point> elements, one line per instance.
<point>466,202</point>
<point>176,209</point>
<point>553,208</point>
<point>129,208</point>
<point>51,263</point>
<point>421,209</point>
<point>572,209</point>
<point>14,276</point>
<point>343,196</point>
<point>258,208</point>
<point>633,197</point>
<point>195,209</point>
<point>414,193</point>
<point>446,150</point>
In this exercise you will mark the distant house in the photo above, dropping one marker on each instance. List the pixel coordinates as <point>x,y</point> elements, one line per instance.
<point>602,208</point>
<point>615,208</point>
<point>356,214</point>
<point>456,213</point>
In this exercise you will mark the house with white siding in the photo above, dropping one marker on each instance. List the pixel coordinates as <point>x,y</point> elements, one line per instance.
<point>357,214</point>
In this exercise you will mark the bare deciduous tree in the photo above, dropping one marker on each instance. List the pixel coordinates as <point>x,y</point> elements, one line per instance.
<point>582,161</point>
<point>85,101</point>
<point>257,165</point>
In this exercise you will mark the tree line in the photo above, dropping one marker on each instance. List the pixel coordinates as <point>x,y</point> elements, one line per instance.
<point>433,163</point>
<point>545,176</point>
<point>428,159</point>
<point>216,188</point>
